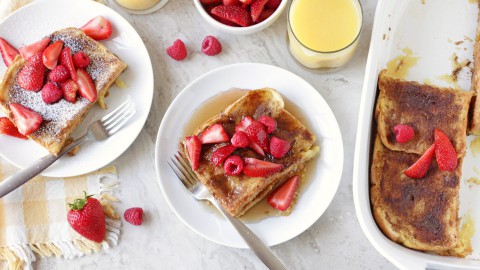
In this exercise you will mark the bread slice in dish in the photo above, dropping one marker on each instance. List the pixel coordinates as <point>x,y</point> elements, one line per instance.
<point>60,119</point>
<point>418,213</point>
<point>423,107</point>
<point>238,193</point>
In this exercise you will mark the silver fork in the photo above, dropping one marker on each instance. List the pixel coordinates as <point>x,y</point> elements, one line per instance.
<point>183,171</point>
<point>98,130</point>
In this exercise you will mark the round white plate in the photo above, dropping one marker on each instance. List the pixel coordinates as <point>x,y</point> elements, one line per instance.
<point>39,19</point>
<point>313,200</point>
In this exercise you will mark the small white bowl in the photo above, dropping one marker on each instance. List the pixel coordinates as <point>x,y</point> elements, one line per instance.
<point>241,30</point>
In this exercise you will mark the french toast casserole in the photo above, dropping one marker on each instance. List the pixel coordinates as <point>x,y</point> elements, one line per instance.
<point>414,185</point>
<point>60,118</point>
<point>264,167</point>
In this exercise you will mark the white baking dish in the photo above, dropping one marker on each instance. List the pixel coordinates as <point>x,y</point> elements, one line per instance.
<point>434,30</point>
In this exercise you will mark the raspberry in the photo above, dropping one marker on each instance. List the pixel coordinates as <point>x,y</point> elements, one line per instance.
<point>69,89</point>
<point>403,133</point>
<point>81,60</point>
<point>177,51</point>
<point>51,93</point>
<point>134,216</point>
<point>240,139</point>
<point>211,46</point>
<point>233,165</point>
<point>278,147</point>
<point>59,74</point>
<point>269,123</point>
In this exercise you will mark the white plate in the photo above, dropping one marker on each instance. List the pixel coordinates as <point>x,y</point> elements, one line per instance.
<point>325,174</point>
<point>41,18</point>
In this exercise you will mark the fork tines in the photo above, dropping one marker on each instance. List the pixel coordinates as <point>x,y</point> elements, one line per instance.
<point>113,121</point>
<point>183,171</point>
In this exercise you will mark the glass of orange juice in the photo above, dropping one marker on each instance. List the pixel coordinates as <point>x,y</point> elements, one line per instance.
<point>323,34</point>
<point>141,6</point>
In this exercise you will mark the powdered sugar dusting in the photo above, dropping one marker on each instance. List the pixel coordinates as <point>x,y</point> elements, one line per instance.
<point>55,116</point>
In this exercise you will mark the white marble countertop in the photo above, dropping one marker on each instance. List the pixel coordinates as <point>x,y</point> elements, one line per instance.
<point>335,241</point>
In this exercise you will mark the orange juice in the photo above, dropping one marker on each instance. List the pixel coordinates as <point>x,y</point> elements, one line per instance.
<point>324,33</point>
<point>138,4</point>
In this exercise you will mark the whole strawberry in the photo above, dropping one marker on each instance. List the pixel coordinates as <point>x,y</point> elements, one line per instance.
<point>87,218</point>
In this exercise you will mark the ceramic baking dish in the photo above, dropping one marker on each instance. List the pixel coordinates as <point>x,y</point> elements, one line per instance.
<point>440,34</point>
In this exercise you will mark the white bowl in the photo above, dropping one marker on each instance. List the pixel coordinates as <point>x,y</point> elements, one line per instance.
<point>241,30</point>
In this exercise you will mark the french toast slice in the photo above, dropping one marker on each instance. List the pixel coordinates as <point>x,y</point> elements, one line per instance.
<point>61,118</point>
<point>424,108</point>
<point>422,213</point>
<point>238,193</point>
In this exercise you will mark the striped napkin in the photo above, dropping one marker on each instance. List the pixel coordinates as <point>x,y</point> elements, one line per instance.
<point>33,218</point>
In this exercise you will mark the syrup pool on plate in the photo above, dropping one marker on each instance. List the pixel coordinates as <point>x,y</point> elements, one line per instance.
<point>217,104</point>
<point>323,34</point>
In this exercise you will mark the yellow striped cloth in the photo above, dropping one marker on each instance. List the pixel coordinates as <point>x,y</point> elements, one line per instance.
<point>33,218</point>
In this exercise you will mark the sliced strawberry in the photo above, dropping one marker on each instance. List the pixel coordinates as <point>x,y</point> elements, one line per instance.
<point>269,123</point>
<point>420,168</point>
<point>51,54</point>
<point>69,89</point>
<point>266,13</point>
<point>282,197</point>
<point>246,2</point>
<point>273,4</point>
<point>256,9</point>
<point>231,2</point>
<point>246,121</point>
<point>8,52</point>
<point>234,14</point>
<point>257,133</point>
<point>194,148</point>
<point>214,134</point>
<point>66,60</point>
<point>98,28</point>
<point>86,87</point>
<point>445,152</point>
<point>220,154</point>
<point>38,47</point>
<point>255,147</point>
<point>31,75</point>
<point>278,147</point>
<point>26,120</point>
<point>258,168</point>
<point>8,128</point>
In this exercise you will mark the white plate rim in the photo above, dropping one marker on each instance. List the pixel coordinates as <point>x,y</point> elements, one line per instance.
<point>159,153</point>
<point>148,69</point>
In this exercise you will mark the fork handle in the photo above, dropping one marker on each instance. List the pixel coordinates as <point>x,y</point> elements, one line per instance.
<point>263,252</point>
<point>21,177</point>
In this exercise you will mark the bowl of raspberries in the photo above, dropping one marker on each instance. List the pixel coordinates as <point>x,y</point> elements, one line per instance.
<point>240,17</point>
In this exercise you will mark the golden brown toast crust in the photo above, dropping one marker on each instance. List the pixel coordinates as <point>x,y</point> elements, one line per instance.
<point>419,213</point>
<point>425,108</point>
<point>238,193</point>
<point>61,118</point>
